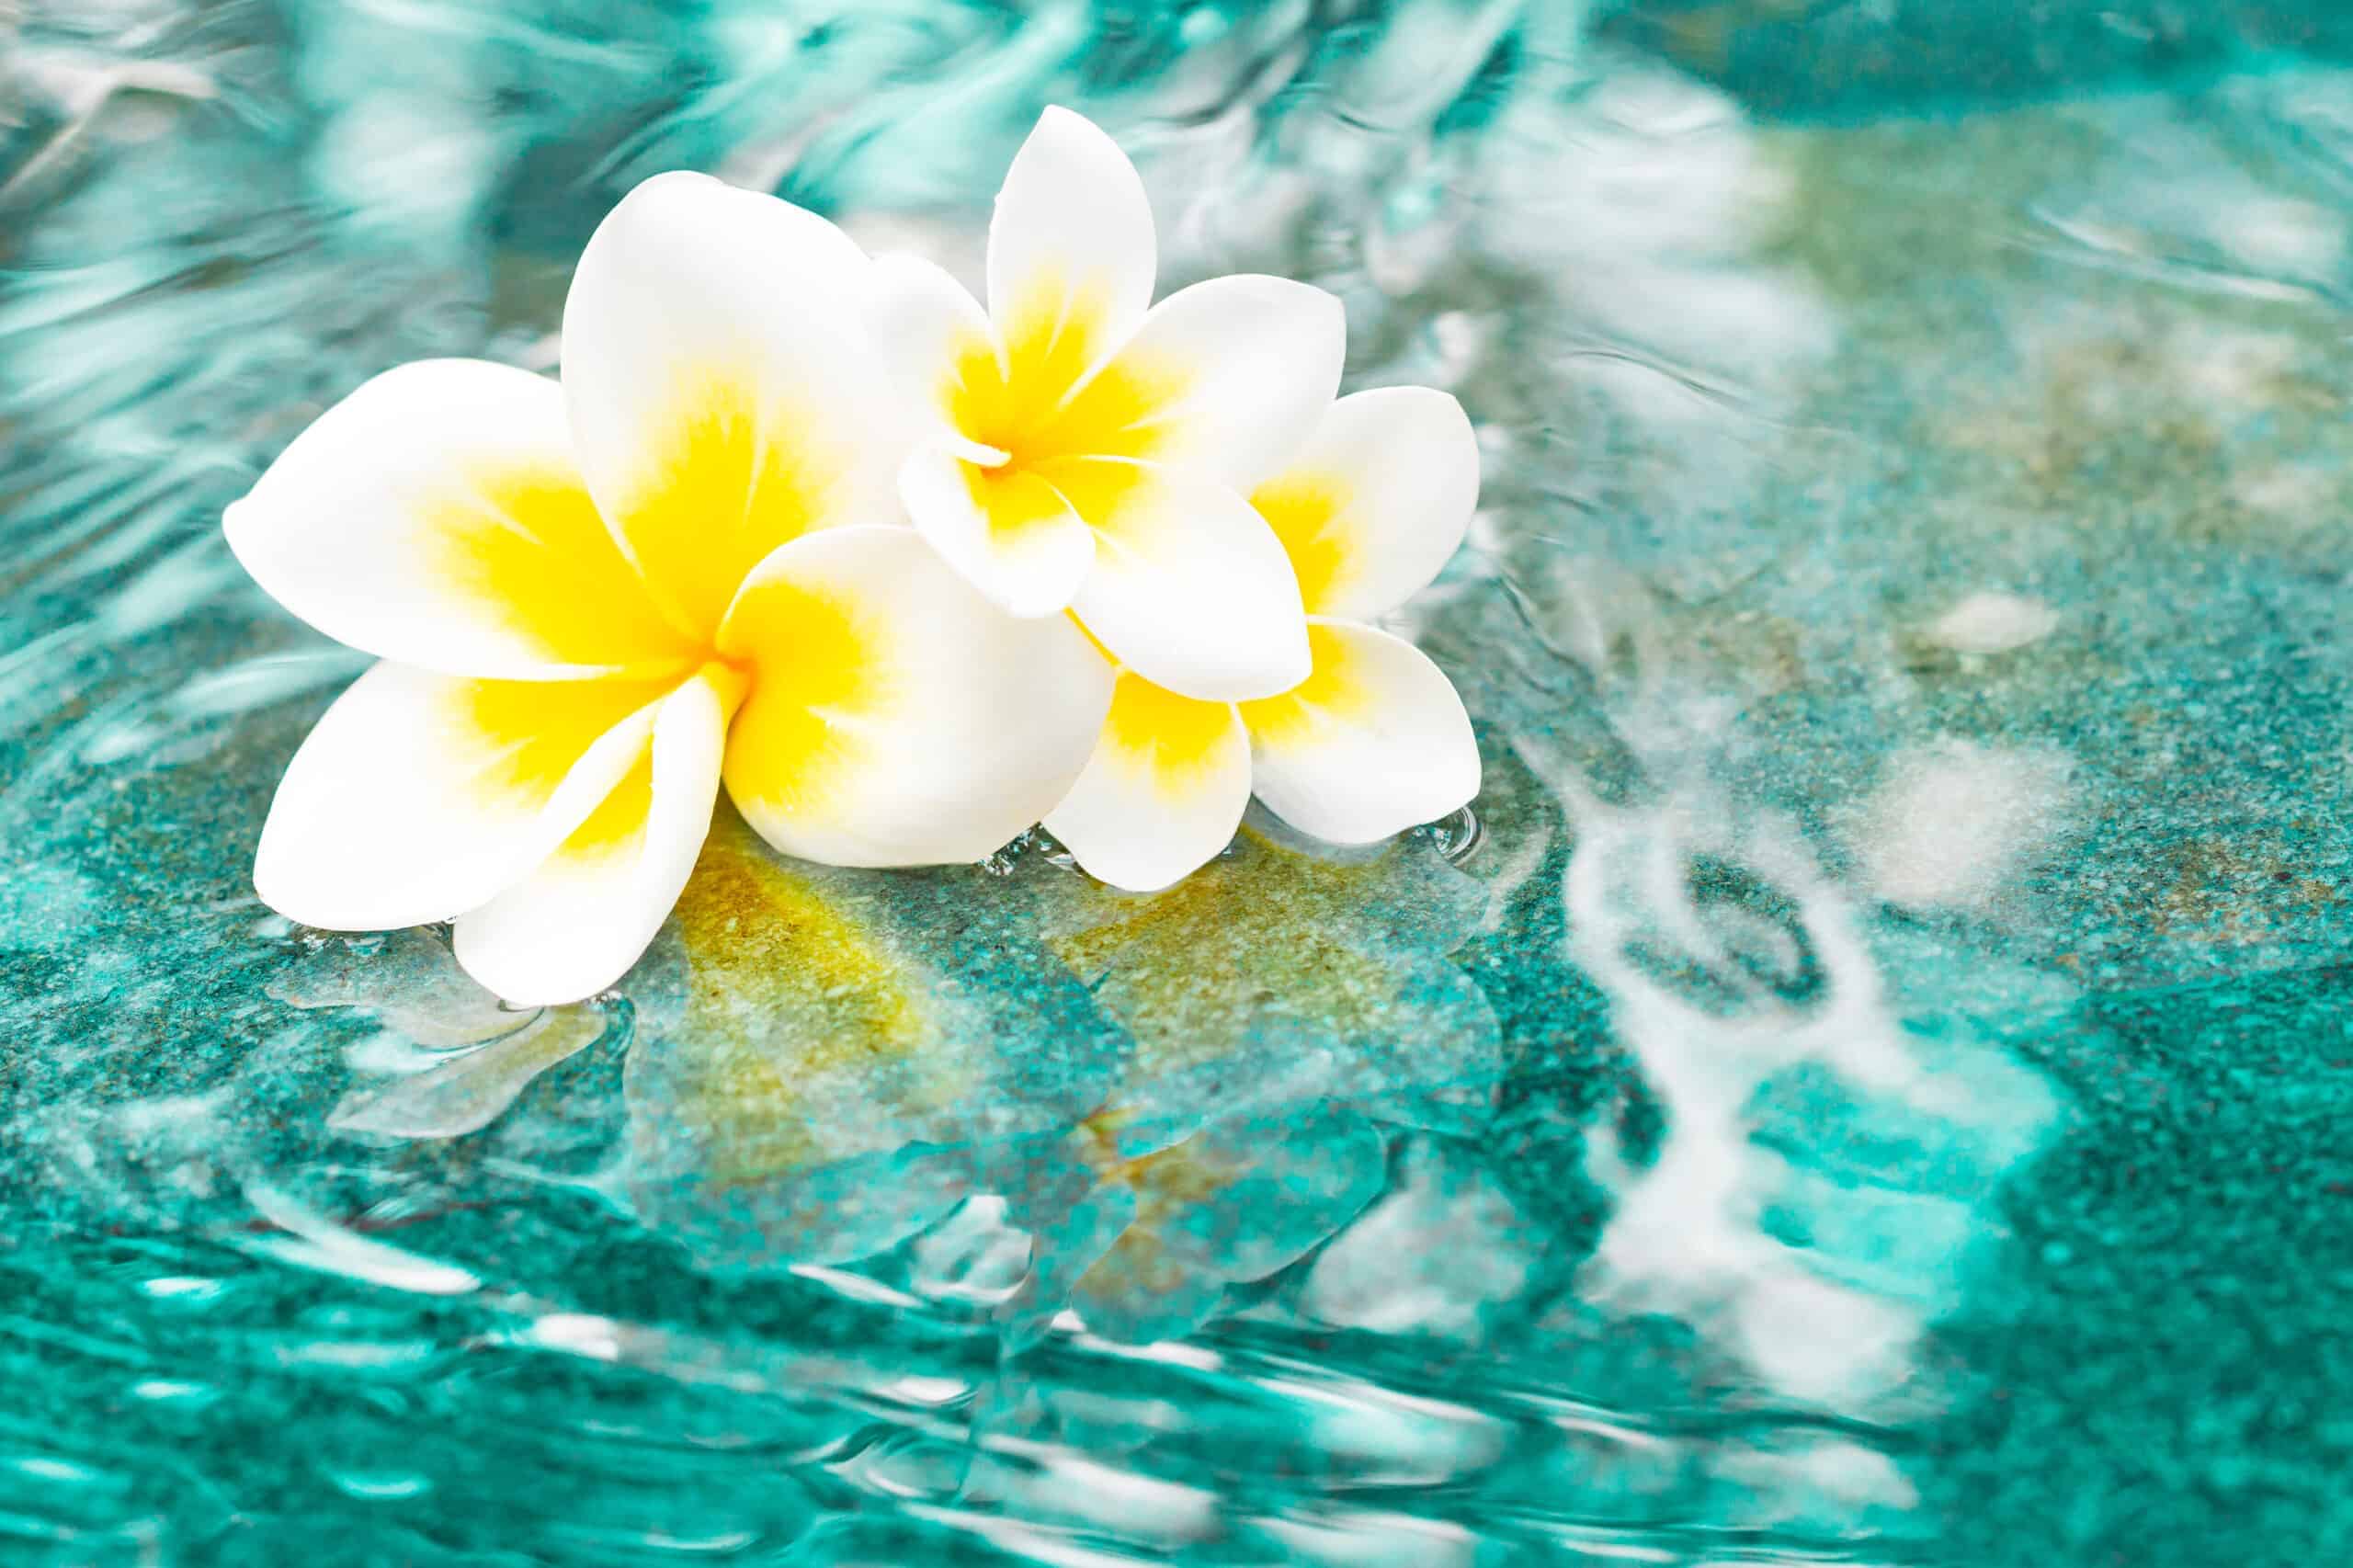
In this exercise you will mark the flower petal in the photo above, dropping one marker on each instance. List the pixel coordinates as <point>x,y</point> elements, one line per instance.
<point>419,796</point>
<point>436,517</point>
<point>721,398</point>
<point>1240,369</point>
<point>1070,249</point>
<point>1190,588</point>
<point>1371,744</point>
<point>576,923</point>
<point>1166,789</point>
<point>895,717</point>
<point>1006,532</point>
<point>930,337</point>
<point>1376,502</point>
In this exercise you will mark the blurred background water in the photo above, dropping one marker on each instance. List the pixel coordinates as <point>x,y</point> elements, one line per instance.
<point>1873,1084</point>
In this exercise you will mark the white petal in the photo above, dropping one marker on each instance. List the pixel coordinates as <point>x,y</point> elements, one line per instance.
<point>1166,789</point>
<point>1371,744</point>
<point>1071,235</point>
<point>721,396</point>
<point>576,923</point>
<point>1376,502</point>
<point>436,517</point>
<point>1241,368</point>
<point>926,330</point>
<point>1190,588</point>
<point>1009,533</point>
<point>420,795</point>
<point>895,717</point>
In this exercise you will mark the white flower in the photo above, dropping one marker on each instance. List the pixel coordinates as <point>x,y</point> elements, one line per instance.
<point>595,601</point>
<point>1374,740</point>
<point>1085,453</point>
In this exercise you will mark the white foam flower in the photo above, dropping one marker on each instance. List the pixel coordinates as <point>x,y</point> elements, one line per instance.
<point>1087,453</point>
<point>598,601</point>
<point>1374,740</point>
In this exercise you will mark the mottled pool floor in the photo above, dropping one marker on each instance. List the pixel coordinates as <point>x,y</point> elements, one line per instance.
<point>1874,1084</point>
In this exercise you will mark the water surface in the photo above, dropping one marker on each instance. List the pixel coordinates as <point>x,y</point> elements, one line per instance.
<point>1871,1085</point>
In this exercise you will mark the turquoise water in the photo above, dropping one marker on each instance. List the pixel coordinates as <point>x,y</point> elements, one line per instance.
<point>1873,1084</point>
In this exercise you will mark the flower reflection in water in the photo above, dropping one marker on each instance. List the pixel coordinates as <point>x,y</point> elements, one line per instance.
<point>816,1073</point>
<point>451,1057</point>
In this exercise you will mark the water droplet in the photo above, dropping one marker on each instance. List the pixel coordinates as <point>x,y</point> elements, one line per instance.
<point>1458,837</point>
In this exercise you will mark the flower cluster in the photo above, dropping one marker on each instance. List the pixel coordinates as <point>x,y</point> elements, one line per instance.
<point>1146,545</point>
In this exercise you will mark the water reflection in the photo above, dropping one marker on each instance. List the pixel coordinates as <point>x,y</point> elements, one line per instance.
<point>1868,1095</point>
<point>1283,972</point>
<point>819,1065</point>
<point>1769,1213</point>
<point>805,1086</point>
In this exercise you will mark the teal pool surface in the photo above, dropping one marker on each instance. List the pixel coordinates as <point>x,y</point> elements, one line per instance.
<point>1872,1082</point>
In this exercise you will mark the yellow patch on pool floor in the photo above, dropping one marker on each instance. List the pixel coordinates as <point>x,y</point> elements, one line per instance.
<point>794,1006</point>
<point>1190,972</point>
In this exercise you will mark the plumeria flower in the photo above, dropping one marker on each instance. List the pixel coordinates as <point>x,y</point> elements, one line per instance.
<point>596,601</point>
<point>1087,453</point>
<point>1374,740</point>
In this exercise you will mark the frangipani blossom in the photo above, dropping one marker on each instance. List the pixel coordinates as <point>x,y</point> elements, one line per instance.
<point>1087,453</point>
<point>1374,740</point>
<point>598,600</point>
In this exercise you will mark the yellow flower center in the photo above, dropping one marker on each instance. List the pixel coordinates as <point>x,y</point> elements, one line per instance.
<point>1037,404</point>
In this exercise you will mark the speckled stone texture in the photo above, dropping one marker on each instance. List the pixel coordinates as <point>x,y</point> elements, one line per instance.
<point>1874,1081</point>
